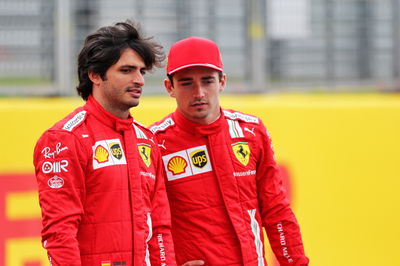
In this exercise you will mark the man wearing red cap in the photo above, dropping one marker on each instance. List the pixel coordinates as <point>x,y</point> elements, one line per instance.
<point>222,180</point>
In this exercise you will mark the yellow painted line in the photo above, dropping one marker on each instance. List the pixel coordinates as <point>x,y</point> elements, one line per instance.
<point>22,205</point>
<point>19,251</point>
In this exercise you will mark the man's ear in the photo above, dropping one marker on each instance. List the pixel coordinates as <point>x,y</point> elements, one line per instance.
<point>169,87</point>
<point>222,83</point>
<point>95,78</point>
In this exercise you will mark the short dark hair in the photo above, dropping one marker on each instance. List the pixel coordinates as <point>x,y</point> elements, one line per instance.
<point>104,47</point>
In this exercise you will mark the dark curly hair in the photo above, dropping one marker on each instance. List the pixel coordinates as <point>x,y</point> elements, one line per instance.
<point>103,48</point>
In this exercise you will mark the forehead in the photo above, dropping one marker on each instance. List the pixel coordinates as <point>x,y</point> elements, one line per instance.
<point>197,71</point>
<point>130,57</point>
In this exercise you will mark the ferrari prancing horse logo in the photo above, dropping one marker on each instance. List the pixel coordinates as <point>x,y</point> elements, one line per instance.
<point>242,152</point>
<point>145,151</point>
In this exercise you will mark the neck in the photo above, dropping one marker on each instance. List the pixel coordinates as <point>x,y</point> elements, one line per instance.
<point>203,120</point>
<point>123,114</point>
<point>119,112</point>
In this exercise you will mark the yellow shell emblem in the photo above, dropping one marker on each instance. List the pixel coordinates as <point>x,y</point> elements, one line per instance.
<point>101,154</point>
<point>177,165</point>
<point>145,152</point>
<point>242,152</point>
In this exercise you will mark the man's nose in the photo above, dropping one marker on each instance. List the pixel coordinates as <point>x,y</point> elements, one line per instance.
<point>138,79</point>
<point>198,90</point>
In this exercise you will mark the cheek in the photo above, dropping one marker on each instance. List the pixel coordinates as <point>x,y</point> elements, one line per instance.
<point>183,100</point>
<point>214,95</point>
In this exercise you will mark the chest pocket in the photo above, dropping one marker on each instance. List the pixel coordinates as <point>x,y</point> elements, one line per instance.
<point>244,168</point>
<point>147,169</point>
<point>187,163</point>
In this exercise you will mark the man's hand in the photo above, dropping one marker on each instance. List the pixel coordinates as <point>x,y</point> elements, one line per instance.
<point>193,263</point>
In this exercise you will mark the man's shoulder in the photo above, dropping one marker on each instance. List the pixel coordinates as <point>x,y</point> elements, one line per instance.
<point>236,115</point>
<point>162,125</point>
<point>63,132</point>
<point>71,122</point>
<point>142,132</point>
<point>244,125</point>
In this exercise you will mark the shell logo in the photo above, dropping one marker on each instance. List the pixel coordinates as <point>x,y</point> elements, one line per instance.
<point>101,154</point>
<point>177,165</point>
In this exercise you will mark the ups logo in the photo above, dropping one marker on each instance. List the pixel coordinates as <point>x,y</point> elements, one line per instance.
<point>116,150</point>
<point>199,158</point>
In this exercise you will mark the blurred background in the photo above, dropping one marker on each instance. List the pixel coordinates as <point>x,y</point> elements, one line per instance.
<point>267,45</point>
<point>324,76</point>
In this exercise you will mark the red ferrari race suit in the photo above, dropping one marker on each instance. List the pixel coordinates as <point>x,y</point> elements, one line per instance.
<point>103,201</point>
<point>223,186</point>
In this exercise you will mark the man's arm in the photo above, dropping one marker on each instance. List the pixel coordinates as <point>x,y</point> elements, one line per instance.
<point>60,180</point>
<point>161,244</point>
<point>281,225</point>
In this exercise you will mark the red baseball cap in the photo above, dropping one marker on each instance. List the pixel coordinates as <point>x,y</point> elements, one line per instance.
<point>193,51</point>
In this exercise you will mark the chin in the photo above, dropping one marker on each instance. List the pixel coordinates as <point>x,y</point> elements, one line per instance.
<point>134,103</point>
<point>200,116</point>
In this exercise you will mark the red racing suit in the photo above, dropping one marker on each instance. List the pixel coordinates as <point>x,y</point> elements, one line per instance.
<point>102,200</point>
<point>223,186</point>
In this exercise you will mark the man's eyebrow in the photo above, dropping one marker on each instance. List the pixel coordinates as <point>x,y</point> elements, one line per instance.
<point>129,66</point>
<point>185,79</point>
<point>132,66</point>
<point>208,77</point>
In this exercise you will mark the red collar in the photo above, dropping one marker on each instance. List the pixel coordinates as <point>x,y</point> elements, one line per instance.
<point>107,118</point>
<point>196,128</point>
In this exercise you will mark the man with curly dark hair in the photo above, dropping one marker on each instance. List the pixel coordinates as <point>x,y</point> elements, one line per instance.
<point>99,172</point>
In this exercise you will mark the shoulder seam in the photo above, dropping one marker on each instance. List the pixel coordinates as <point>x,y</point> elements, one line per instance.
<point>240,116</point>
<point>76,120</point>
<point>162,126</point>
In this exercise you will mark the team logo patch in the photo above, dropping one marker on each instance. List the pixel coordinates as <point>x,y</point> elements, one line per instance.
<point>168,122</point>
<point>199,158</point>
<point>244,117</point>
<point>74,121</point>
<point>177,165</point>
<point>101,154</point>
<point>116,150</point>
<point>55,182</point>
<point>188,162</point>
<point>52,153</point>
<point>242,152</point>
<point>55,167</point>
<point>108,152</point>
<point>145,152</point>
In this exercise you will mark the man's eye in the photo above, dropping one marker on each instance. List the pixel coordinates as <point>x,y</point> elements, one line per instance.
<point>125,70</point>
<point>207,82</point>
<point>143,72</point>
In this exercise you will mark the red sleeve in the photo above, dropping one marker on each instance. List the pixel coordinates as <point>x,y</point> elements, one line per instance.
<point>161,244</point>
<point>278,219</point>
<point>60,177</point>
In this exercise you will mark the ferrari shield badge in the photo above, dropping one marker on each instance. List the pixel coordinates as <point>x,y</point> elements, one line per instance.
<point>242,152</point>
<point>145,151</point>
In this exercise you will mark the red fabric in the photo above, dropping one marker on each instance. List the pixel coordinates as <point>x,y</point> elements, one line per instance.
<point>219,206</point>
<point>96,191</point>
<point>193,51</point>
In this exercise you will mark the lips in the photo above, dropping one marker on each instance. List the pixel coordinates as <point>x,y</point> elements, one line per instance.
<point>198,104</point>
<point>135,92</point>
